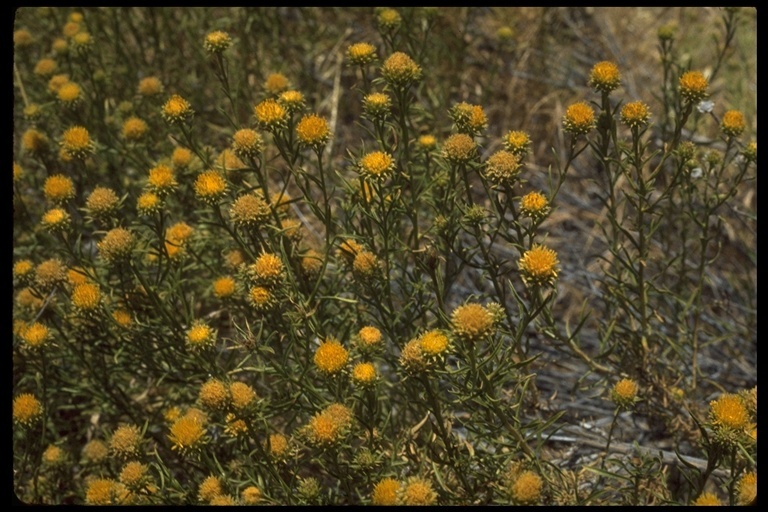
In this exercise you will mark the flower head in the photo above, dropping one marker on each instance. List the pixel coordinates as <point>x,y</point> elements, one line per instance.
<point>210,488</point>
<point>224,287</point>
<point>278,446</point>
<point>210,186</point>
<point>329,425</point>
<point>693,86</point>
<point>728,412</point>
<point>534,205</point>
<point>364,374</point>
<point>635,114</point>
<point>45,67</point>
<point>376,165</point>
<point>56,220</point>
<point>177,110</point>
<point>517,142</point>
<point>293,101</point>
<point>187,433</point>
<point>750,152</point>
<point>418,491</point>
<point>134,474</point>
<point>247,143</point>
<point>579,118</point>
<point>276,83</point>
<point>389,19</point>
<point>733,123</point>
<point>433,343</point>
<point>50,273</point>
<point>251,495</point>
<point>377,105</point>
<point>472,322</point>
<point>58,189</point>
<point>526,488</point>
<point>268,269</point>
<point>249,211</point>
<point>459,148</point>
<point>200,335</point>
<point>708,499</point>
<point>365,266</point>
<point>604,76</point>
<point>22,38</point>
<point>134,129</point>
<point>369,336</point>
<point>116,245</point>
<point>360,54</point>
<point>746,488</point>
<point>217,41</point>
<point>331,357</point>
<point>313,131</point>
<point>242,395</point>
<point>385,492</point>
<point>427,142</point>
<point>96,450</point>
<point>502,168</point>
<point>56,82</point>
<point>26,409</point>
<point>469,119</point>
<point>102,202</point>
<point>412,358</point>
<point>86,297</point>
<point>150,86</point>
<point>148,203</point>
<point>69,94</point>
<point>624,393</point>
<point>399,70</point>
<point>538,266</point>
<point>214,395</point>
<point>76,142</point>
<point>271,115</point>
<point>125,441</point>
<point>23,269</point>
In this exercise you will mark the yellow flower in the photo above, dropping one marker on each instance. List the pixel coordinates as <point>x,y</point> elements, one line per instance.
<point>331,357</point>
<point>56,82</point>
<point>708,499</point>
<point>224,500</point>
<point>361,54</point>
<point>733,123</point>
<point>82,42</point>
<point>364,374</point>
<point>56,220</point>
<point>433,343</point>
<point>35,335</point>
<point>214,395</point>
<point>624,393</point>
<point>329,425</point>
<point>276,83</point>
<point>376,165</point>
<point>365,266</point>
<point>502,168</point>
<point>150,86</point>
<point>399,70</point>
<point>311,263</point>
<point>750,152</point>
<point>32,112</point>
<point>604,76</point>
<point>517,142</point>
<point>95,451</point>
<point>251,495</point>
<point>412,357</point>
<point>389,19</point>
<point>526,488</point>
<point>200,335</point>
<point>50,273</point>
<point>133,474</point>
<point>45,67</point>
<point>234,258</point>
<point>23,269</point>
<point>76,142</point>
<point>267,269</point>
<point>161,180</point>
<point>116,245</point>
<point>247,143</point>
<point>370,336</point>
<point>217,41</point>
<point>86,297</point>
<point>249,211</point>
<point>534,205</point>
<point>27,299</point>
<point>377,105</point>
<point>122,317</point>
<point>102,491</point>
<point>60,46</point>
<point>505,33</point>
<point>126,440</point>
<point>729,412</point>
<point>427,142</point>
<point>242,395</point>
<point>270,115</point>
<point>293,101</point>
<point>26,409</point>
<point>459,148</point>
<point>385,492</point>
<point>53,456</point>
<point>134,129</point>
<point>635,114</point>
<point>418,491</point>
<point>148,203</point>
<point>34,142</point>
<point>278,446</point>
<point>224,287</point>
<point>187,433</point>
<point>579,118</point>
<point>102,202</point>
<point>538,266</point>
<point>210,186</point>
<point>469,119</point>
<point>746,489</point>
<point>58,188</point>
<point>69,94</point>
<point>18,172</point>
<point>177,110</point>
<point>472,322</point>
<point>261,299</point>
<point>210,488</point>
<point>693,86</point>
<point>22,38</point>
<point>313,131</point>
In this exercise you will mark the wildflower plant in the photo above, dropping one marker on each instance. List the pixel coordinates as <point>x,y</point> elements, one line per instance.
<point>416,263</point>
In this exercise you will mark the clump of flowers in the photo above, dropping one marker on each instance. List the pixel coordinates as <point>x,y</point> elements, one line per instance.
<point>579,118</point>
<point>604,76</point>
<point>538,266</point>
